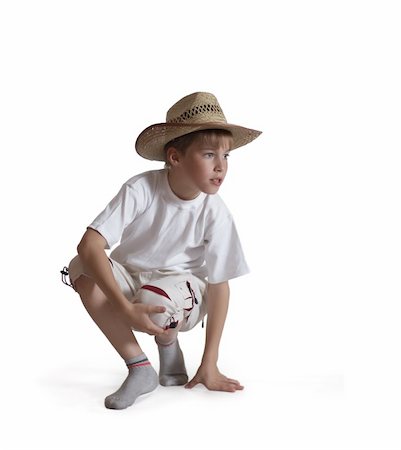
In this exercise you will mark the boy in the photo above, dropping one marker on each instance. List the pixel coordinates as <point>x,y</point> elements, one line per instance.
<point>173,231</point>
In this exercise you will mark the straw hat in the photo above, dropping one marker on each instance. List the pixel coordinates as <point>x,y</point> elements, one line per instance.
<point>198,111</point>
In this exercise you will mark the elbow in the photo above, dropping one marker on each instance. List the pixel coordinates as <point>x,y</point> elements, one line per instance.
<point>84,245</point>
<point>91,241</point>
<point>85,250</point>
<point>81,247</point>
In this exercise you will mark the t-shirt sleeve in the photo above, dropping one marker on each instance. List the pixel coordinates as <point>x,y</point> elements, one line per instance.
<point>224,256</point>
<point>120,212</point>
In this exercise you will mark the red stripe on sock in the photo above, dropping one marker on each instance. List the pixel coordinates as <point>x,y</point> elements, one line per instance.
<point>156,290</point>
<point>130,366</point>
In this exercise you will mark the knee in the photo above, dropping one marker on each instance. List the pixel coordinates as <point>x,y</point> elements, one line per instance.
<point>75,273</point>
<point>154,296</point>
<point>85,286</point>
<point>169,336</point>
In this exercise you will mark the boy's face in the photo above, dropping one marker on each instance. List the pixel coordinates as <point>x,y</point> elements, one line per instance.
<point>202,168</point>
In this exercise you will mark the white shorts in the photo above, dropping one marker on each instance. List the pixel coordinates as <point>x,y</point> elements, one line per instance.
<point>183,294</point>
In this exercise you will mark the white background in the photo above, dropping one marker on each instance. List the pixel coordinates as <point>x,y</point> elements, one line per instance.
<point>314,332</point>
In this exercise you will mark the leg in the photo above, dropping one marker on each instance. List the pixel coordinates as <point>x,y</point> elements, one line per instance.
<point>141,378</point>
<point>107,319</point>
<point>172,365</point>
<point>182,297</point>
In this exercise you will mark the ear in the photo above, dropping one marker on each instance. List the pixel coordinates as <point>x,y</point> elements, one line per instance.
<point>173,156</point>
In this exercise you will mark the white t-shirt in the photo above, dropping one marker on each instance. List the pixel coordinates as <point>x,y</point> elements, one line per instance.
<point>159,231</point>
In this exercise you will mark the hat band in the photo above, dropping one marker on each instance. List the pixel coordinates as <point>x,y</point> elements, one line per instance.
<point>190,114</point>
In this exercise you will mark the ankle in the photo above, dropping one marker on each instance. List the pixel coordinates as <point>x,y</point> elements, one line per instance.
<point>167,342</point>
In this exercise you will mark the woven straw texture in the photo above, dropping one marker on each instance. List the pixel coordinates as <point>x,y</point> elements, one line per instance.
<point>198,111</point>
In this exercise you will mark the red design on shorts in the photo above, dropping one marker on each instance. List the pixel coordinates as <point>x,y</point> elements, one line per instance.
<point>156,290</point>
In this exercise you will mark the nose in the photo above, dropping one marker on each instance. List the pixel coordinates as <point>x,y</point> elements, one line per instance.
<point>219,165</point>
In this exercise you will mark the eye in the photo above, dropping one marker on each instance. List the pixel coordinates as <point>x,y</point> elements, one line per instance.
<point>209,155</point>
<point>226,155</point>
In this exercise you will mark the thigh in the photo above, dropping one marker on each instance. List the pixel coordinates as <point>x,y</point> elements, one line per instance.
<point>121,275</point>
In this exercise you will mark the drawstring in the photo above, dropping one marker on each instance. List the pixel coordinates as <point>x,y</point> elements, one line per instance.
<point>192,292</point>
<point>64,275</point>
<point>194,300</point>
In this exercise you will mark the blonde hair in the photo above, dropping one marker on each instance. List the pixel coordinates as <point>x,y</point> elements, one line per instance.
<point>208,137</point>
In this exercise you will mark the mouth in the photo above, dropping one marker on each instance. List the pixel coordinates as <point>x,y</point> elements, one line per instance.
<point>217,181</point>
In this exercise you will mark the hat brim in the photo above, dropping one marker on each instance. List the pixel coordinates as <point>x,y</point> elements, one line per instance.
<point>151,142</point>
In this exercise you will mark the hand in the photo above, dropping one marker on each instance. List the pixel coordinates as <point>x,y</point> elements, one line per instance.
<point>210,377</point>
<point>137,317</point>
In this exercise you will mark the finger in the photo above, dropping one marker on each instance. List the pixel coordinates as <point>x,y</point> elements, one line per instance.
<point>232,387</point>
<point>162,332</point>
<point>231,380</point>
<point>155,309</point>
<point>236,383</point>
<point>153,329</point>
<point>237,386</point>
<point>225,387</point>
<point>191,384</point>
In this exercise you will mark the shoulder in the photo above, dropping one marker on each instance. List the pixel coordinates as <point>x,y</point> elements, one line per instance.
<point>216,204</point>
<point>216,210</point>
<point>145,180</point>
<point>140,189</point>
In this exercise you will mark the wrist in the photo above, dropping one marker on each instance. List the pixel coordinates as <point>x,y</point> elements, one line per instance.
<point>209,359</point>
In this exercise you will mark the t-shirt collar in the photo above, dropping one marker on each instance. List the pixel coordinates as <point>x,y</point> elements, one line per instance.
<point>172,198</point>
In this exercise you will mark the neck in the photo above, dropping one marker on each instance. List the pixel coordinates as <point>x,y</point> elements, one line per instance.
<point>180,188</point>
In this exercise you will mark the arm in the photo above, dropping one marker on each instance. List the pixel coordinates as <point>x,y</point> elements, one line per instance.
<point>217,306</point>
<point>208,373</point>
<point>96,265</point>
